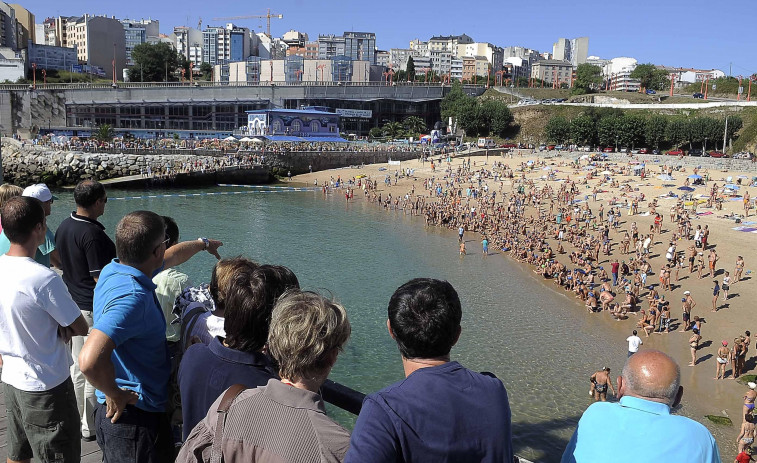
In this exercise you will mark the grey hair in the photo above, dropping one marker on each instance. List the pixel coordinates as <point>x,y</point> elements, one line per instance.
<point>642,388</point>
<point>305,328</point>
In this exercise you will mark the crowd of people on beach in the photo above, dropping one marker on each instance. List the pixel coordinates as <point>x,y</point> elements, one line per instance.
<point>596,250</point>
<point>124,350</point>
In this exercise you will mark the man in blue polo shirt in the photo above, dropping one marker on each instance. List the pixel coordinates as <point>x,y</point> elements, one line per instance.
<point>441,411</point>
<point>640,427</point>
<point>126,355</point>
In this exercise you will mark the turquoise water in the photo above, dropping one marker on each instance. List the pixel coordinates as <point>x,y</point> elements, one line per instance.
<point>536,340</point>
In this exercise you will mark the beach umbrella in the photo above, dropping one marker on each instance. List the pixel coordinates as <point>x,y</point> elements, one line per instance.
<point>256,140</point>
<point>245,139</point>
<point>731,186</point>
<point>685,188</point>
<point>665,177</point>
<point>229,138</point>
<point>638,167</point>
<point>695,176</point>
<point>606,172</point>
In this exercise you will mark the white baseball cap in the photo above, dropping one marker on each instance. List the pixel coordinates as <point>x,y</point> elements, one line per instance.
<point>39,191</point>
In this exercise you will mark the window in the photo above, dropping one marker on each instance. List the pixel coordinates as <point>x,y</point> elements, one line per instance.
<point>315,126</point>
<point>296,125</point>
<point>276,126</point>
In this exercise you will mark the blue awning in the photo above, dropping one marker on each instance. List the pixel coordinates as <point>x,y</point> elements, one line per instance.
<point>326,139</point>
<point>287,138</point>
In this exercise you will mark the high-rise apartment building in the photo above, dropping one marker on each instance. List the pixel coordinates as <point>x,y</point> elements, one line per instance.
<point>330,46</point>
<point>360,46</point>
<point>99,41</point>
<point>492,53</point>
<point>8,36</point>
<point>574,50</point>
<point>25,28</point>
<point>188,43</point>
<point>139,32</point>
<point>448,43</point>
<point>230,43</point>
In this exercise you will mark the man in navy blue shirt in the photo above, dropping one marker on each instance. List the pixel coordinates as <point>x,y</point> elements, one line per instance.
<point>441,411</point>
<point>238,358</point>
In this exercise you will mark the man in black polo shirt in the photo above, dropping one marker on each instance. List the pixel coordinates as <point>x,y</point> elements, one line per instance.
<point>84,250</point>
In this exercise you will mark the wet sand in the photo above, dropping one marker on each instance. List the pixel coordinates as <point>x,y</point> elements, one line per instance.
<point>703,395</point>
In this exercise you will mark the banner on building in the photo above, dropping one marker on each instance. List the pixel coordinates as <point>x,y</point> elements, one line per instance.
<point>359,113</point>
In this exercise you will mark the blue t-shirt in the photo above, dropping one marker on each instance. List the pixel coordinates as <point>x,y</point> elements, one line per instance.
<point>635,430</point>
<point>43,251</point>
<point>126,309</point>
<point>437,414</point>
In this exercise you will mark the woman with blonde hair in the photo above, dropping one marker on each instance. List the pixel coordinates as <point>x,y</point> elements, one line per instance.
<point>306,334</point>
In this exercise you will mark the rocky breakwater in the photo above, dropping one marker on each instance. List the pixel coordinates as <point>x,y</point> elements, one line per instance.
<point>23,164</point>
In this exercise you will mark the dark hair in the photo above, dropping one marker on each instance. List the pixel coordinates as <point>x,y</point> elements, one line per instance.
<point>88,192</point>
<point>425,315</point>
<point>249,303</point>
<point>221,277</point>
<point>172,231</point>
<point>634,332</point>
<point>137,234</point>
<point>20,214</point>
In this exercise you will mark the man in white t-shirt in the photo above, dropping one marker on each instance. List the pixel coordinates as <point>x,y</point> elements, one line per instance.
<point>37,319</point>
<point>633,343</point>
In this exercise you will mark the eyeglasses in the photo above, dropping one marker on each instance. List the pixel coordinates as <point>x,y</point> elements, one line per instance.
<point>165,241</point>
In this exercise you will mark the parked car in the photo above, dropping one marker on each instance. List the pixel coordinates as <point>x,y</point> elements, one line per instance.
<point>542,147</point>
<point>716,154</point>
<point>651,92</point>
<point>678,152</point>
<point>462,147</point>
<point>643,151</point>
<point>635,151</point>
<point>609,149</point>
<point>559,147</point>
<point>508,145</point>
<point>698,95</point>
<point>550,147</point>
<point>743,155</point>
<point>695,152</point>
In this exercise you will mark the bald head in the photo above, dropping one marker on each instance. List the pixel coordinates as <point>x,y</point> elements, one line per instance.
<point>652,375</point>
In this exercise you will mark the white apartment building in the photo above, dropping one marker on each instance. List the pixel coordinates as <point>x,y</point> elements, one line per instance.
<point>574,50</point>
<point>184,39</point>
<point>98,40</point>
<point>448,44</point>
<point>493,54</point>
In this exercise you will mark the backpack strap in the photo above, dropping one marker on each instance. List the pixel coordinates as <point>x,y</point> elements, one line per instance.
<point>188,322</point>
<point>216,455</point>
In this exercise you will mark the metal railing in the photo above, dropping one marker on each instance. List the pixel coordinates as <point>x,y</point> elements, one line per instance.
<point>203,84</point>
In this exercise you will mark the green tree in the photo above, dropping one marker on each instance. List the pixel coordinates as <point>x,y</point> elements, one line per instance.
<point>410,69</point>
<point>650,77</point>
<point>103,133</point>
<point>607,130</point>
<point>206,71</point>
<point>184,63</point>
<point>414,125</point>
<point>557,129</point>
<point>654,130</point>
<point>631,130</point>
<point>376,132</point>
<point>677,132</point>
<point>583,130</point>
<point>153,63</point>
<point>498,117</point>
<point>588,77</point>
<point>393,130</point>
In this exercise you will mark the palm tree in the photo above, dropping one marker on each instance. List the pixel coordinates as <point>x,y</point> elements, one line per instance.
<point>393,130</point>
<point>414,125</point>
<point>103,133</point>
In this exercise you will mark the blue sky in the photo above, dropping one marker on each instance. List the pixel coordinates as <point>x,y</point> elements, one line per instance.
<point>691,33</point>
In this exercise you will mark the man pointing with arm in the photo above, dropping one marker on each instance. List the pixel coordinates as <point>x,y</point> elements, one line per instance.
<point>126,356</point>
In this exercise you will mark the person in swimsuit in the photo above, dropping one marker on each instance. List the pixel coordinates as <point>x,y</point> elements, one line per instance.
<point>722,361</point>
<point>462,248</point>
<point>746,435</point>
<point>749,397</point>
<point>600,382</point>
<point>694,345</point>
<point>739,269</point>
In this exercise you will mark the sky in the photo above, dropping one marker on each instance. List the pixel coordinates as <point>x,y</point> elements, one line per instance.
<point>701,34</point>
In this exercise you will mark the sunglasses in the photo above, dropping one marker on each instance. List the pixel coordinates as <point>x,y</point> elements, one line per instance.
<point>164,242</point>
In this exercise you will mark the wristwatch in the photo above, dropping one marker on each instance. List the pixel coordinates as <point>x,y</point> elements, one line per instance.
<point>205,241</point>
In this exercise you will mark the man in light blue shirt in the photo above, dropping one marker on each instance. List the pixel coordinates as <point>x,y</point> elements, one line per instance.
<point>640,427</point>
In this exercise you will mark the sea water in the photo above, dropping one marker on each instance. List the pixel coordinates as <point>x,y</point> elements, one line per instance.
<point>533,337</point>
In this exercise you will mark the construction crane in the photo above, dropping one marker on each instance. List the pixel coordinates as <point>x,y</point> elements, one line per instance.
<point>199,23</point>
<point>267,16</point>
